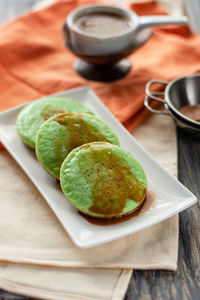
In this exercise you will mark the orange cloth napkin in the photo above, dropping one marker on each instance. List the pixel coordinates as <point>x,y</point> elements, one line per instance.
<point>34,61</point>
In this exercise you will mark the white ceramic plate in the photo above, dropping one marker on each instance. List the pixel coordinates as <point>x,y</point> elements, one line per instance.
<point>172,196</point>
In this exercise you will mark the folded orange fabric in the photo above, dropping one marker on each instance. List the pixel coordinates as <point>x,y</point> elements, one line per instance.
<point>35,63</point>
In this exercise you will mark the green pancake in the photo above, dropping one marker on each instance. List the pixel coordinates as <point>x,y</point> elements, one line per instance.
<point>34,114</point>
<point>62,133</point>
<point>103,180</point>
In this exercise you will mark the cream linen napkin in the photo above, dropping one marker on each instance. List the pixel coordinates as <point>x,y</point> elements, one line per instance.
<point>65,284</point>
<point>31,235</point>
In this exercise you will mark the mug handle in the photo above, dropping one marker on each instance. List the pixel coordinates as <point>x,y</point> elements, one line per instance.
<point>149,21</point>
<point>153,95</point>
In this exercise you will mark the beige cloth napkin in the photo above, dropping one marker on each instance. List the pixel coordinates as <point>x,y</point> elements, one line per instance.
<point>47,263</point>
<point>65,284</point>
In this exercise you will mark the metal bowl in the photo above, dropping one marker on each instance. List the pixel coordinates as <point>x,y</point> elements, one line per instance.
<point>178,93</point>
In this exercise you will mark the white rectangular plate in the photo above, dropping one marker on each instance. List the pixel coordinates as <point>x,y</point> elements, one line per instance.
<point>172,196</point>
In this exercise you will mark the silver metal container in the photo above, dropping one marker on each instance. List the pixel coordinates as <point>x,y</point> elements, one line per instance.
<point>178,93</point>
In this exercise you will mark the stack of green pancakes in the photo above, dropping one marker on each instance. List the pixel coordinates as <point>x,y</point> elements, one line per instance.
<point>97,176</point>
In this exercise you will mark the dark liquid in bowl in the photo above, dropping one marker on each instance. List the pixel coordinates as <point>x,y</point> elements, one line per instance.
<point>191,112</point>
<point>103,24</point>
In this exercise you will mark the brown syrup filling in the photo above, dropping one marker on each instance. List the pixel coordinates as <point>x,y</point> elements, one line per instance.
<point>112,182</point>
<point>80,132</point>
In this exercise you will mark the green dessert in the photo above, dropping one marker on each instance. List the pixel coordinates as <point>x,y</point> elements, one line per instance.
<point>62,133</point>
<point>34,114</point>
<point>103,180</point>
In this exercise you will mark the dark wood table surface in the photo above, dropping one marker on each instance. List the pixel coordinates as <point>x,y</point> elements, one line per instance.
<point>146,285</point>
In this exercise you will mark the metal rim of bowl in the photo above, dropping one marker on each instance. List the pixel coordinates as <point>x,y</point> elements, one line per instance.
<point>91,8</point>
<point>173,108</point>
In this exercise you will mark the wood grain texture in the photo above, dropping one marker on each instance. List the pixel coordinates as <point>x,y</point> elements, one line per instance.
<point>8,296</point>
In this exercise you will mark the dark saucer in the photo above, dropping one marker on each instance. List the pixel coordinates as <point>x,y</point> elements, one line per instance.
<point>104,73</point>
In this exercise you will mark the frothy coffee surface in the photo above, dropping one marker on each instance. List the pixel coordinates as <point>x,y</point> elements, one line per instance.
<point>103,24</point>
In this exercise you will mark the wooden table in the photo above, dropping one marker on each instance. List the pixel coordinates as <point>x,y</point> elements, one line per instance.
<point>162,285</point>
